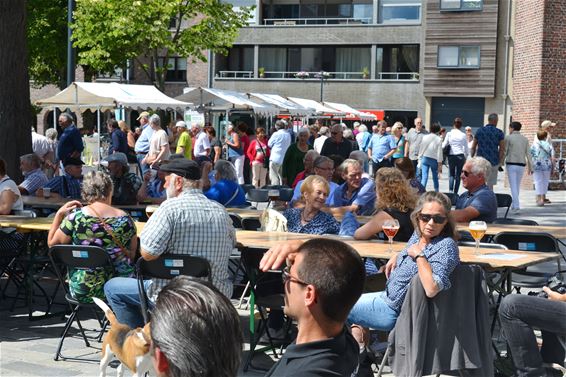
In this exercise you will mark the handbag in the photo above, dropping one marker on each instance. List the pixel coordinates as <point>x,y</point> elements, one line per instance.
<point>265,157</point>
<point>446,149</point>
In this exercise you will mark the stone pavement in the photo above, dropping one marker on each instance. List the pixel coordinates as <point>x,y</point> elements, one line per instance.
<point>27,348</point>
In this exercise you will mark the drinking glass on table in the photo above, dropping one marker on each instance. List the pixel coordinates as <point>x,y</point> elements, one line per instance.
<point>477,230</point>
<point>390,228</point>
<point>149,210</point>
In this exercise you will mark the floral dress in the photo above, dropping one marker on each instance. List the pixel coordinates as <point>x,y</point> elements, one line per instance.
<point>88,230</point>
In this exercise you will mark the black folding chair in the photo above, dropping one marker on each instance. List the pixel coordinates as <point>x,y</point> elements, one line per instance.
<point>286,194</point>
<point>251,224</point>
<point>236,220</point>
<point>77,257</point>
<point>507,221</point>
<point>166,267</point>
<point>504,200</point>
<point>452,196</point>
<point>258,195</point>
<point>247,187</point>
<point>275,187</point>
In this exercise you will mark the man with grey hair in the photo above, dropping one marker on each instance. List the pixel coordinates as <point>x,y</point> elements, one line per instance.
<point>356,194</point>
<point>336,144</point>
<point>70,142</point>
<point>34,177</point>
<point>279,142</point>
<point>479,202</point>
<point>186,223</point>
<point>363,138</point>
<point>202,144</point>
<point>142,144</point>
<point>126,183</point>
<point>489,143</point>
<point>324,167</point>
<point>225,189</point>
<point>159,149</point>
<point>323,134</point>
<point>414,139</point>
<point>308,161</point>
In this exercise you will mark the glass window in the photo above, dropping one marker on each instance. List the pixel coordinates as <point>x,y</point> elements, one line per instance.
<point>461,5</point>
<point>399,11</point>
<point>273,58</point>
<point>176,69</point>
<point>397,58</point>
<point>353,59</point>
<point>458,57</point>
<point>363,12</point>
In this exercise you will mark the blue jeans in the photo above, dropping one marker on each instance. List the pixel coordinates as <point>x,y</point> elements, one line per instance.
<point>418,172</point>
<point>371,311</point>
<point>519,314</point>
<point>426,164</point>
<point>455,164</point>
<point>123,297</point>
<point>144,167</point>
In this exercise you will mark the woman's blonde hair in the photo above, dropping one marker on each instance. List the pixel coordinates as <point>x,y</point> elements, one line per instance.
<point>394,191</point>
<point>397,126</point>
<point>96,186</point>
<point>308,185</point>
<point>123,126</point>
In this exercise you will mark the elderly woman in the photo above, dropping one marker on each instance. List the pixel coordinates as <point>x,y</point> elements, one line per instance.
<point>293,160</point>
<point>397,132</point>
<point>396,200</point>
<point>236,152</point>
<point>96,224</point>
<point>258,154</point>
<point>542,155</point>
<point>310,219</point>
<point>405,166</point>
<point>10,200</point>
<point>226,189</point>
<point>431,253</point>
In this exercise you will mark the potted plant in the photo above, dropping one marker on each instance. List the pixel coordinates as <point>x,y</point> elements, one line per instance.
<point>365,73</point>
<point>261,72</point>
<point>302,75</point>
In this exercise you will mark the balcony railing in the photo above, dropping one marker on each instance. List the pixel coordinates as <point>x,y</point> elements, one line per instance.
<point>282,75</point>
<point>316,21</point>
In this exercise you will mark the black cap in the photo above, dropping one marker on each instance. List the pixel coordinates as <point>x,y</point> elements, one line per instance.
<point>72,161</point>
<point>188,169</point>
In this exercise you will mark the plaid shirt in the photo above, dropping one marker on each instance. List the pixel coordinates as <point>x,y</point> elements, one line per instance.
<point>66,186</point>
<point>191,224</point>
<point>33,180</point>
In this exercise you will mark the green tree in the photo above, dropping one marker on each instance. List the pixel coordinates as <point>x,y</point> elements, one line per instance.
<point>107,33</point>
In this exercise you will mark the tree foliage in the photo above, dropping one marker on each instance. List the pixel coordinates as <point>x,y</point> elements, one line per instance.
<point>47,41</point>
<point>109,32</point>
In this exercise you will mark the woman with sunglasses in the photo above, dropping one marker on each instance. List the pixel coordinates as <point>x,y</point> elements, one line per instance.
<point>431,253</point>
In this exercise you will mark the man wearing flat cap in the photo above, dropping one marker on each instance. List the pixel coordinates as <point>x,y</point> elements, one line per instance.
<point>186,223</point>
<point>142,144</point>
<point>126,183</point>
<point>69,184</point>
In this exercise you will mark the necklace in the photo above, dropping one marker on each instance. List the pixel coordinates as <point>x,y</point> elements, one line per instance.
<point>304,217</point>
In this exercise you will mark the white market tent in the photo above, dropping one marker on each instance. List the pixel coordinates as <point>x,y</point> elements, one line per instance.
<point>319,108</point>
<point>350,111</point>
<point>225,100</point>
<point>291,108</point>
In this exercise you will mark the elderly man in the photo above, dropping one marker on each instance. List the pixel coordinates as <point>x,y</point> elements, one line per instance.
<point>142,143</point>
<point>202,144</point>
<point>178,345</point>
<point>308,161</point>
<point>324,167</point>
<point>489,143</point>
<point>363,138</point>
<point>70,142</point>
<point>479,202</point>
<point>381,147</point>
<point>279,142</point>
<point>186,223</point>
<point>336,144</point>
<point>119,138</point>
<point>356,194</point>
<point>67,185</point>
<point>414,138</point>
<point>126,184</point>
<point>184,143</point>
<point>34,177</point>
<point>322,284</point>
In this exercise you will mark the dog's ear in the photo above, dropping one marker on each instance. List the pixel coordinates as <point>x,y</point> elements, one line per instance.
<point>141,340</point>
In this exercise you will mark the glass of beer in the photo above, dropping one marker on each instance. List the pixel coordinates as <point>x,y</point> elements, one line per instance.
<point>150,209</point>
<point>477,230</point>
<point>273,196</point>
<point>390,228</point>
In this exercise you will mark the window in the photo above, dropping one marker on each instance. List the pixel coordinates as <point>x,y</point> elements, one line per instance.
<point>397,61</point>
<point>176,69</point>
<point>461,5</point>
<point>399,11</point>
<point>462,57</point>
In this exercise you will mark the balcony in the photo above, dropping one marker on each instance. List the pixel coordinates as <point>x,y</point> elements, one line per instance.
<point>316,21</point>
<point>334,76</point>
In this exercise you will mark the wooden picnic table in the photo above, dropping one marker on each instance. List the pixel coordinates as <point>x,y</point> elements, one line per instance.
<point>56,203</point>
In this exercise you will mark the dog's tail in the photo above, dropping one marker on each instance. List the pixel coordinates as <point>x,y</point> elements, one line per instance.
<point>106,309</point>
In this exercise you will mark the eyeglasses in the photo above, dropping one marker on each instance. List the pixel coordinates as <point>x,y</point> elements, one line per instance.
<point>286,276</point>
<point>437,219</point>
<point>334,133</point>
<point>325,169</point>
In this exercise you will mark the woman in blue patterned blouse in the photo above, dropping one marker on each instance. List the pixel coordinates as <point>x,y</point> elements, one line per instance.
<point>432,253</point>
<point>311,219</point>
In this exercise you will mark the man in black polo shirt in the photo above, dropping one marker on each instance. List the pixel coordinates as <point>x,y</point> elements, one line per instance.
<point>336,144</point>
<point>322,284</point>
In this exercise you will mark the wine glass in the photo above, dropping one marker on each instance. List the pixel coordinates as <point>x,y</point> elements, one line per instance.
<point>477,230</point>
<point>390,228</point>
<point>149,210</point>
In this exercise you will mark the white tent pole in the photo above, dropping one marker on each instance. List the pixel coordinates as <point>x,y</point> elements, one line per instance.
<point>98,126</point>
<point>55,118</point>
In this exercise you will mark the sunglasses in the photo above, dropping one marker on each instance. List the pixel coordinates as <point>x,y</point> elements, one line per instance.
<point>286,276</point>
<point>437,219</point>
<point>334,133</point>
<point>466,173</point>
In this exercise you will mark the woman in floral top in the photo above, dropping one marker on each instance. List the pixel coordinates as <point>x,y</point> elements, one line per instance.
<point>96,224</point>
<point>311,219</point>
<point>542,155</point>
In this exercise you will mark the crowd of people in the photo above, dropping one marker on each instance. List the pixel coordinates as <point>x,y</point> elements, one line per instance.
<point>335,173</point>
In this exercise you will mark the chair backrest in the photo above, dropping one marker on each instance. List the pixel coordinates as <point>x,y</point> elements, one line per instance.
<point>236,220</point>
<point>286,194</point>
<point>258,195</point>
<point>514,221</point>
<point>251,224</point>
<point>528,241</point>
<point>483,245</point>
<point>504,200</point>
<point>247,187</point>
<point>452,196</point>
<point>275,187</point>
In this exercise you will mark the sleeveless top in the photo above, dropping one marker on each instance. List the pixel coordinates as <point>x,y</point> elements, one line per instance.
<point>405,225</point>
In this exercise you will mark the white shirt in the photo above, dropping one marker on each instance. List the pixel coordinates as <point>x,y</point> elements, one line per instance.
<point>8,183</point>
<point>458,142</point>
<point>279,143</point>
<point>158,140</point>
<point>431,147</point>
<point>319,142</point>
<point>40,144</point>
<point>201,145</point>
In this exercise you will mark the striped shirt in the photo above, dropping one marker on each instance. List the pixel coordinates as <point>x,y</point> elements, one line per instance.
<point>66,186</point>
<point>33,180</point>
<point>194,225</point>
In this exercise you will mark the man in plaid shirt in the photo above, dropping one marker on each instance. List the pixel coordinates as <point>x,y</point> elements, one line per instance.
<point>34,177</point>
<point>69,184</point>
<point>186,223</point>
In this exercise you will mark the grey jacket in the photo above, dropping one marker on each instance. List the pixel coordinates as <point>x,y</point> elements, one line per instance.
<point>447,333</point>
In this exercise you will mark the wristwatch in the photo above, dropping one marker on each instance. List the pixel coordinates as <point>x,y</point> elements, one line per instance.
<point>422,254</point>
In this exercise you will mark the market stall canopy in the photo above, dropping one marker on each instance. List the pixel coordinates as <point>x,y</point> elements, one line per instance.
<point>350,111</point>
<point>217,99</point>
<point>288,107</point>
<point>319,108</point>
<point>93,96</point>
